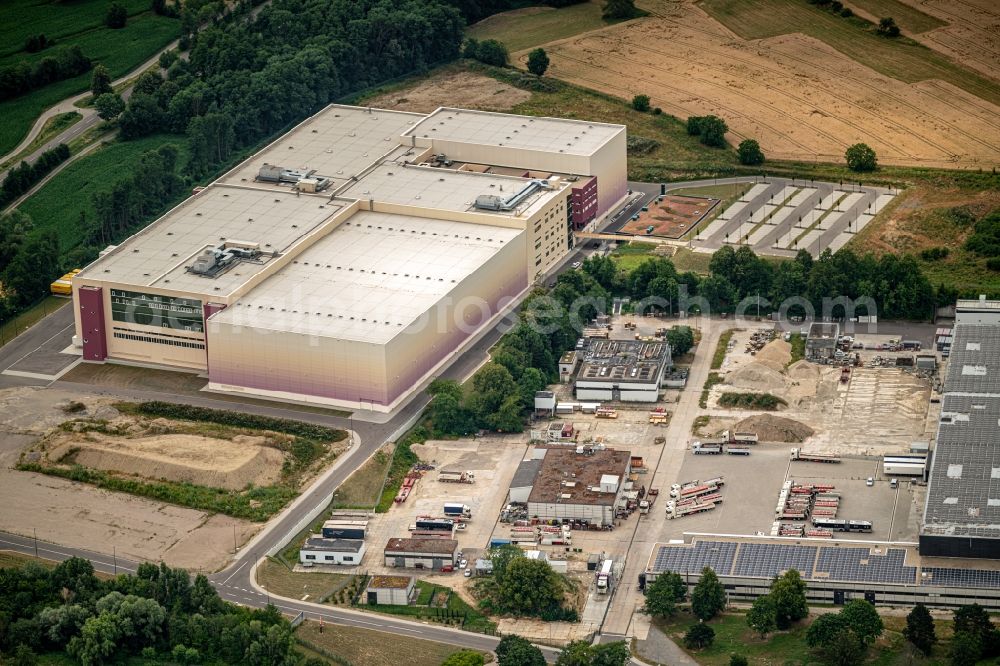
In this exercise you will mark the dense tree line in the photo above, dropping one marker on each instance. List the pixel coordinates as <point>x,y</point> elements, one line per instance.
<point>477,10</point>
<point>985,237</point>
<point>23,177</point>
<point>250,76</point>
<point>23,76</point>
<point>26,261</point>
<point>159,614</point>
<point>131,201</point>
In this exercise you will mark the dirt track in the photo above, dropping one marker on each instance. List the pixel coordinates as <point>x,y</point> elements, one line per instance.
<point>799,97</point>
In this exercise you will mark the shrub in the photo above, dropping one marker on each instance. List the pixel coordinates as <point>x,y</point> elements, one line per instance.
<point>699,636</point>
<point>762,401</point>
<point>860,157</point>
<point>887,27</point>
<point>538,62</point>
<point>237,419</point>
<point>116,17</point>
<point>749,152</point>
<point>641,145</point>
<point>934,253</point>
<point>641,103</point>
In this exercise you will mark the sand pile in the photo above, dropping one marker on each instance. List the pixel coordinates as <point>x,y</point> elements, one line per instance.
<point>771,428</point>
<point>204,461</point>
<point>775,354</point>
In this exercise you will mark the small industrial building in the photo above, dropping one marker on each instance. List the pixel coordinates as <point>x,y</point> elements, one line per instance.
<point>354,257</point>
<point>318,550</point>
<point>524,480</point>
<point>622,370</point>
<point>962,511</point>
<point>580,485</point>
<point>567,365</point>
<point>421,553</point>
<point>545,403</point>
<point>390,590</point>
<point>821,343</point>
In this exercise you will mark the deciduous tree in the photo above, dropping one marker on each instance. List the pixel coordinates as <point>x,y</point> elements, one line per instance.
<point>749,152</point>
<point>699,636</point>
<point>789,595</point>
<point>109,106</point>
<point>920,629</point>
<point>708,597</point>
<point>860,157</point>
<point>762,617</point>
<point>538,61</point>
<point>514,650</point>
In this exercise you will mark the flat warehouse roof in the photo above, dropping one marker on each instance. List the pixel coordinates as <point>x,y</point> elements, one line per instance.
<point>157,255</point>
<point>369,278</point>
<point>338,142</point>
<point>553,135</point>
<point>442,189</point>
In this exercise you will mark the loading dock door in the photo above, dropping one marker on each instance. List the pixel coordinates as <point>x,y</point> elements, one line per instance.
<point>870,597</point>
<point>838,597</point>
<point>372,598</point>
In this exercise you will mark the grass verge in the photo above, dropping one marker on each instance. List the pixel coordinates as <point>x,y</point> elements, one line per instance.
<point>12,328</point>
<point>630,254</point>
<point>525,28</point>
<point>256,504</point>
<point>363,488</point>
<point>798,343</point>
<point>688,260</point>
<point>720,349</point>
<point>352,645</point>
<point>402,460</point>
<point>710,381</point>
<point>52,127</point>
<point>276,578</point>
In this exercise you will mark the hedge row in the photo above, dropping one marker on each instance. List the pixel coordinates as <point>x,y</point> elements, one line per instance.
<point>240,420</point>
<point>256,504</point>
<point>763,401</point>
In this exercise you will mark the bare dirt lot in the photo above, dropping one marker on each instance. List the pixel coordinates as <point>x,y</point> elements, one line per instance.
<point>672,217</point>
<point>81,516</point>
<point>878,410</point>
<point>463,89</point>
<point>798,96</point>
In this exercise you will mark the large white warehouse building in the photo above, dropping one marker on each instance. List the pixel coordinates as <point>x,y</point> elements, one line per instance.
<point>353,257</point>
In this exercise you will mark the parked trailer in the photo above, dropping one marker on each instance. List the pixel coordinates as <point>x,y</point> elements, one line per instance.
<point>740,437</point>
<point>689,510</point>
<point>738,451</point>
<point>701,499</point>
<point>457,510</point>
<point>446,476</point>
<point>694,491</point>
<point>798,455</point>
<point>792,515</point>
<point>556,540</point>
<point>496,543</point>
<point>605,578</point>
<point>706,450</point>
<point>819,534</point>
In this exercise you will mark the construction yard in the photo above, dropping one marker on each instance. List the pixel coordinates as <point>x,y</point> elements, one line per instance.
<point>805,87</point>
<point>137,528</point>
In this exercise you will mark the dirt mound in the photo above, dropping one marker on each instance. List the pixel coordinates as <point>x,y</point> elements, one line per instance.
<point>205,461</point>
<point>771,428</point>
<point>757,377</point>
<point>775,354</point>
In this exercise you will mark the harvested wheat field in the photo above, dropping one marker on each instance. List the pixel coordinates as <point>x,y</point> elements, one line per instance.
<point>799,96</point>
<point>463,89</point>
<point>204,461</point>
<point>970,34</point>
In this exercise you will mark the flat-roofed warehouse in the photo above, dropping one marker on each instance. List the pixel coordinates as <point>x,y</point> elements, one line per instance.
<point>355,256</point>
<point>580,485</point>
<point>626,370</point>
<point>962,511</point>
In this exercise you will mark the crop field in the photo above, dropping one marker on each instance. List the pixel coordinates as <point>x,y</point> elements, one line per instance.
<point>803,82</point>
<point>969,34</point>
<point>59,203</point>
<point>522,29</point>
<point>76,23</point>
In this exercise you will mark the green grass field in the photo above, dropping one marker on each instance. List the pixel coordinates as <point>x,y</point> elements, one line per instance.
<point>81,23</point>
<point>59,203</point>
<point>276,578</point>
<point>908,18</point>
<point>526,28</point>
<point>627,256</point>
<point>364,487</point>
<point>901,58</point>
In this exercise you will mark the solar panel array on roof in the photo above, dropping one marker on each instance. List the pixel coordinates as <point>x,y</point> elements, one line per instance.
<point>692,559</point>
<point>964,495</point>
<point>862,565</point>
<point>960,577</point>
<point>770,559</point>
<point>974,364</point>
